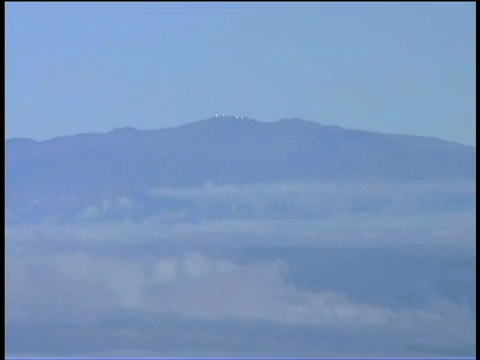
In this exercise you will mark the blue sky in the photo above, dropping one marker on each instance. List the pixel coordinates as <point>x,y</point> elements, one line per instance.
<point>87,67</point>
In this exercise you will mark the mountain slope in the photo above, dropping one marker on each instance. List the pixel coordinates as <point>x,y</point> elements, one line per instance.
<point>223,150</point>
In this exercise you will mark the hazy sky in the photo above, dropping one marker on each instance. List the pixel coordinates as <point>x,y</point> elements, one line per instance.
<point>91,67</point>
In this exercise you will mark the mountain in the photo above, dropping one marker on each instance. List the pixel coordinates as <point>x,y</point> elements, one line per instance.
<point>219,150</point>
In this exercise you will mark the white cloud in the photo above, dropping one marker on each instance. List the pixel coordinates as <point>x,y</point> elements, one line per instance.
<point>338,196</point>
<point>84,272</point>
<point>89,212</point>
<point>191,284</point>
<point>125,203</point>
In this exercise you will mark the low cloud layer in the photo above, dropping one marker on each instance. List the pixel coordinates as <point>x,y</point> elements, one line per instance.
<point>254,270</point>
<point>87,287</point>
<point>305,200</point>
<point>192,285</point>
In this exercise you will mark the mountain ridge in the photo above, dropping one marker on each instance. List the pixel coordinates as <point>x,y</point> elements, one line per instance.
<point>283,121</point>
<point>127,162</point>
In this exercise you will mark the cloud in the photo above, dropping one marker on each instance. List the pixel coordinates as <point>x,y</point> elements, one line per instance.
<point>93,212</point>
<point>133,284</point>
<point>341,229</point>
<point>181,263</point>
<point>189,284</point>
<point>325,198</point>
<point>126,203</point>
<point>290,200</point>
<point>90,212</point>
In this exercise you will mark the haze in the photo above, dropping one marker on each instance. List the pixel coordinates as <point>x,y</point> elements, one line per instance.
<point>86,67</point>
<point>139,224</point>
